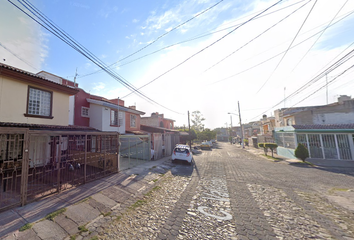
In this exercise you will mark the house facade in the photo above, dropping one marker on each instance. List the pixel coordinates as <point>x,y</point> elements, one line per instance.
<point>340,112</point>
<point>158,120</point>
<point>105,114</point>
<point>40,153</point>
<point>328,144</point>
<point>38,101</point>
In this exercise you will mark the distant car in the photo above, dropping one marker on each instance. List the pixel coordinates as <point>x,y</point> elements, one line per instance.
<point>182,153</point>
<point>205,145</point>
<point>210,143</point>
<point>213,140</point>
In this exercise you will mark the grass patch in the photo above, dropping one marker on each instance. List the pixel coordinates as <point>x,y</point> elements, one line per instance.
<point>94,238</point>
<point>311,164</point>
<point>272,158</point>
<point>83,200</point>
<point>82,229</point>
<point>52,215</point>
<point>155,180</point>
<point>73,237</point>
<point>156,188</point>
<point>106,214</point>
<point>137,204</point>
<point>25,227</point>
<point>118,218</point>
<point>149,193</point>
<point>333,190</point>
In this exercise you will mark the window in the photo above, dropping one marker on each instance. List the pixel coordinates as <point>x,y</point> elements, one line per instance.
<point>132,121</point>
<point>115,119</point>
<point>84,112</point>
<point>39,103</point>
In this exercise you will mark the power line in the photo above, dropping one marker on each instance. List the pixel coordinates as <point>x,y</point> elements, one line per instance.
<point>52,28</point>
<point>161,36</point>
<point>218,40</point>
<point>303,23</point>
<point>268,59</point>
<point>256,37</point>
<point>319,36</point>
<point>14,54</point>
<point>324,85</point>
<point>334,66</point>
<point>190,39</point>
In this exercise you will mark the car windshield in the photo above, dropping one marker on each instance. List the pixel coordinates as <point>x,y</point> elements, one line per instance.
<point>181,150</point>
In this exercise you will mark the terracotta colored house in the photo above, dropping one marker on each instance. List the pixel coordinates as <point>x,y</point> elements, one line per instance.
<point>158,120</point>
<point>105,114</point>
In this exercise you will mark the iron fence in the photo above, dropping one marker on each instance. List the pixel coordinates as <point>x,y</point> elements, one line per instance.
<point>35,164</point>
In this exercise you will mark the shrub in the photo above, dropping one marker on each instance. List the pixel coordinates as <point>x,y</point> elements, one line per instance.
<point>245,141</point>
<point>301,152</point>
<point>262,145</point>
<point>271,146</point>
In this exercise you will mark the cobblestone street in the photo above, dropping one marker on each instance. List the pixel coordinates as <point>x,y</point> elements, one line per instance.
<point>234,194</point>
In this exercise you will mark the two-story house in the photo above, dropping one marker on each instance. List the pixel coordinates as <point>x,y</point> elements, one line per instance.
<point>163,136</point>
<point>326,131</point>
<point>40,153</point>
<point>105,114</point>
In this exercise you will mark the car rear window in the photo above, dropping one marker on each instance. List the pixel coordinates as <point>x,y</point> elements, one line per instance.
<point>181,150</point>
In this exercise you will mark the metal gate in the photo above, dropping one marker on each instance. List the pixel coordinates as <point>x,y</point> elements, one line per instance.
<point>134,150</point>
<point>12,154</point>
<point>35,164</point>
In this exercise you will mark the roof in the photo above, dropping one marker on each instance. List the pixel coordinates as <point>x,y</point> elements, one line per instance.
<point>139,132</point>
<point>325,126</point>
<point>114,106</point>
<point>156,129</point>
<point>32,78</point>
<point>47,127</point>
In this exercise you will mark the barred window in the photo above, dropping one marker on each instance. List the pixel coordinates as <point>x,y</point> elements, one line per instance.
<point>84,112</point>
<point>132,121</point>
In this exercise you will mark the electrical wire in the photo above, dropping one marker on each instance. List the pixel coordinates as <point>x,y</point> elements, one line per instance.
<point>334,79</point>
<point>229,55</point>
<point>331,68</point>
<point>319,37</point>
<point>303,23</point>
<point>218,40</point>
<point>14,54</point>
<point>268,59</point>
<point>191,39</point>
<point>161,36</point>
<point>52,28</point>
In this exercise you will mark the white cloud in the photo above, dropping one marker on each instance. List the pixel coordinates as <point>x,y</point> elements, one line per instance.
<point>99,86</point>
<point>188,87</point>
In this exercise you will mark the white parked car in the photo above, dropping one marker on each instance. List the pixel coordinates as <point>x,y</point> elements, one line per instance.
<point>183,153</point>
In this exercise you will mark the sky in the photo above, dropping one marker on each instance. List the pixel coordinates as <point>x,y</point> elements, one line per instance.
<point>211,56</point>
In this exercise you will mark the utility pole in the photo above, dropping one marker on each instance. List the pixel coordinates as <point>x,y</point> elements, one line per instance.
<point>231,129</point>
<point>327,89</point>
<point>239,114</point>
<point>189,133</point>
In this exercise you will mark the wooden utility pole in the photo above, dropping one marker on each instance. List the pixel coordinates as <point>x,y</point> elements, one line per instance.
<point>239,114</point>
<point>189,133</point>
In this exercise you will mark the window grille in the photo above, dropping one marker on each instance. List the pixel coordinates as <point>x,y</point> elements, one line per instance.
<point>39,102</point>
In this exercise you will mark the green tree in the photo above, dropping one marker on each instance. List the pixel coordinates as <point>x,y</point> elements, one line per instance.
<point>271,146</point>
<point>197,121</point>
<point>301,152</point>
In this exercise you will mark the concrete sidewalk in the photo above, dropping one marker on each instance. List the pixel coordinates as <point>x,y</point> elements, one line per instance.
<point>74,210</point>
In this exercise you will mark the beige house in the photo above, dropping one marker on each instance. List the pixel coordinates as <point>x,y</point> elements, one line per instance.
<point>29,98</point>
<point>340,112</point>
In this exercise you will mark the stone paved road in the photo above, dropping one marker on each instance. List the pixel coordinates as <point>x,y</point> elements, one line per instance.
<point>230,193</point>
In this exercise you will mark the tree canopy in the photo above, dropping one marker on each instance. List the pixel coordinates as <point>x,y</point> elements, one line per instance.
<point>197,121</point>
